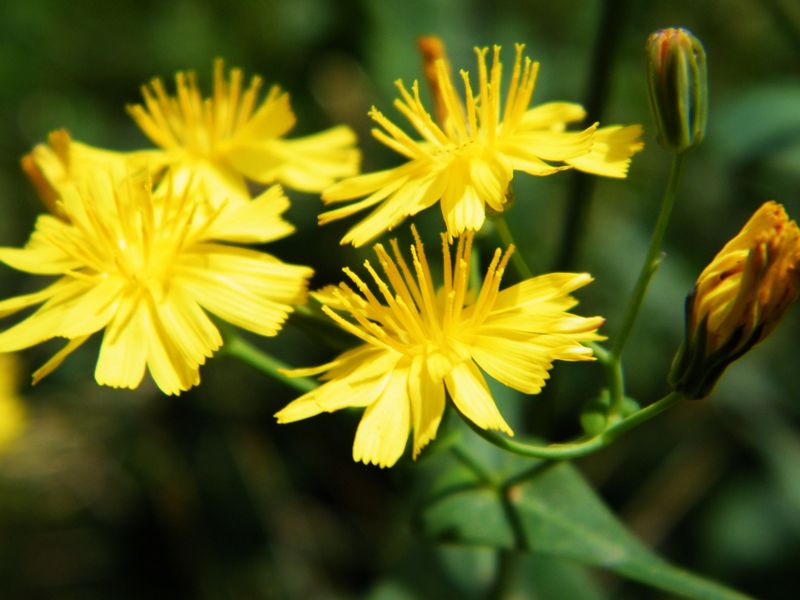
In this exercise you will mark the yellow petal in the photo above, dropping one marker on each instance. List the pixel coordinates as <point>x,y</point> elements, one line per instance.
<point>612,150</point>
<point>515,363</point>
<point>17,303</point>
<point>170,371</point>
<point>363,185</point>
<point>542,289</point>
<point>490,180</point>
<point>272,119</point>
<point>213,179</point>
<point>56,360</point>
<point>90,311</point>
<point>552,115</point>
<point>256,221</point>
<point>46,321</point>
<point>310,163</point>
<point>427,403</point>
<point>123,352</point>
<point>188,326</point>
<point>246,270</point>
<point>247,288</point>
<point>40,258</point>
<point>334,395</point>
<point>471,395</point>
<point>383,430</point>
<point>552,145</point>
<point>409,199</point>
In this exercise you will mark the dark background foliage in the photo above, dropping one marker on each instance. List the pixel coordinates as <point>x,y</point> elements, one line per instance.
<point>132,494</point>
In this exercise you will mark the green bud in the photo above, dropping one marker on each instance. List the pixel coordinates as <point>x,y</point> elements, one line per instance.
<point>678,87</point>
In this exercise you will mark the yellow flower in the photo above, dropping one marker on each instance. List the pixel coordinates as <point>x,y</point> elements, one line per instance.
<point>221,141</point>
<point>146,269</point>
<point>739,298</point>
<point>417,342</point>
<point>468,158</point>
<point>12,410</point>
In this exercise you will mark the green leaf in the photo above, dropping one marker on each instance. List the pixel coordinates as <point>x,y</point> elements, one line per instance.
<point>554,512</point>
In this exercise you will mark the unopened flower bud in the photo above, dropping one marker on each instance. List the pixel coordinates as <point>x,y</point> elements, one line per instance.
<point>678,87</point>
<point>738,299</point>
<point>432,49</point>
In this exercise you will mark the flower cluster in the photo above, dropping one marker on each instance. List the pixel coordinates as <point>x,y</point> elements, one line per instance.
<point>144,244</point>
<point>147,246</point>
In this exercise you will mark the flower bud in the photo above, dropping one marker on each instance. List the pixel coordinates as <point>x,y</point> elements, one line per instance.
<point>432,49</point>
<point>678,87</point>
<point>738,299</point>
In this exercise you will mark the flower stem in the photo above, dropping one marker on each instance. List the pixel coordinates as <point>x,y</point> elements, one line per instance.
<point>653,257</point>
<point>582,448</point>
<point>239,348</point>
<point>522,268</point>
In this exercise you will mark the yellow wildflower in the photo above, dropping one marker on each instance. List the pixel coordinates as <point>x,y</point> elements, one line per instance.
<point>739,298</point>
<point>145,269</point>
<point>469,157</point>
<point>221,141</point>
<point>417,342</point>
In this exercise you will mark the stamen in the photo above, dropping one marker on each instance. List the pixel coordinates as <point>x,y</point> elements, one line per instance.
<point>425,282</point>
<point>353,329</point>
<point>232,107</point>
<point>446,263</point>
<point>249,100</point>
<point>408,146</point>
<point>411,284</point>
<point>483,87</point>
<point>513,86</point>
<point>455,112</point>
<point>363,288</point>
<point>487,285</point>
<point>472,116</point>
<point>494,92</point>
<point>395,278</point>
<point>412,109</point>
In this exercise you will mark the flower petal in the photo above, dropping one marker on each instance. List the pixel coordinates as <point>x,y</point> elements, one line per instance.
<point>258,220</point>
<point>310,163</point>
<point>427,403</point>
<point>612,150</point>
<point>170,371</point>
<point>471,395</point>
<point>552,115</point>
<point>349,392</point>
<point>123,352</point>
<point>519,364</point>
<point>383,430</point>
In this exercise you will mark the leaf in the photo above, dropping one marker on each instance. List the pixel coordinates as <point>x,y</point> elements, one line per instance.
<point>556,513</point>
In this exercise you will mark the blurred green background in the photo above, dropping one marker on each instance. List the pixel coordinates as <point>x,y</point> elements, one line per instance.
<point>111,494</point>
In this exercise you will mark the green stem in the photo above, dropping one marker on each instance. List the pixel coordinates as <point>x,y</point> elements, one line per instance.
<point>522,268</point>
<point>577,449</point>
<point>653,257</point>
<point>239,348</point>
